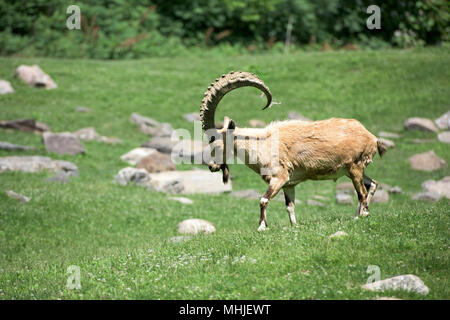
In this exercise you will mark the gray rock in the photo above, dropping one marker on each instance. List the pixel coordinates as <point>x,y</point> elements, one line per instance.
<point>344,198</point>
<point>5,87</point>
<point>421,124</point>
<point>157,162</point>
<point>63,143</point>
<point>395,189</point>
<point>380,196</point>
<point>443,122</point>
<point>82,109</point>
<point>338,234</point>
<point>345,187</point>
<point>26,125</point>
<point>188,181</point>
<point>388,144</point>
<point>178,239</point>
<point>191,151</point>
<point>195,226</point>
<point>427,196</point>
<point>296,116</point>
<point>407,282</point>
<point>191,117</point>
<point>17,196</point>
<point>134,156</point>
<point>390,135</point>
<point>182,200</point>
<point>60,177</point>
<point>35,77</point>
<point>314,203</point>
<point>87,134</point>
<point>109,140</point>
<point>247,194</point>
<point>320,198</point>
<point>36,163</point>
<point>162,144</point>
<point>444,137</point>
<point>14,147</point>
<point>427,161</point>
<point>441,187</point>
<point>138,119</point>
<point>130,175</point>
<point>254,123</point>
<point>419,141</point>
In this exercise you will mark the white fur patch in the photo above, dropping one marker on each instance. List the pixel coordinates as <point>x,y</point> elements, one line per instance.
<point>264,200</point>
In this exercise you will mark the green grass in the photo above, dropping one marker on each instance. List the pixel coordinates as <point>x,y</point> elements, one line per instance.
<point>118,236</point>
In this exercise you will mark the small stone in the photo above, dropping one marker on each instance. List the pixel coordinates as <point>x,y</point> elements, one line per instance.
<point>35,77</point>
<point>157,162</point>
<point>195,226</point>
<point>87,134</point>
<point>409,282</point>
<point>443,122</point>
<point>344,198</point>
<point>390,135</point>
<point>178,239</point>
<point>182,200</point>
<point>296,116</point>
<point>5,87</point>
<point>419,141</point>
<point>345,187</point>
<point>192,117</point>
<point>388,144</point>
<point>109,140</point>
<point>427,196</point>
<point>82,109</point>
<point>427,161</point>
<point>338,234</point>
<point>134,156</point>
<point>62,143</point>
<point>256,123</point>
<point>60,177</point>
<point>396,189</point>
<point>421,124</point>
<point>14,147</point>
<point>138,119</point>
<point>17,196</point>
<point>32,164</point>
<point>247,194</point>
<point>444,137</point>
<point>314,203</point>
<point>162,144</point>
<point>131,175</point>
<point>380,196</point>
<point>26,125</point>
<point>441,187</point>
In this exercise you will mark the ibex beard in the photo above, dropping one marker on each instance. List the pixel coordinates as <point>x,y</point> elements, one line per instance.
<point>286,153</point>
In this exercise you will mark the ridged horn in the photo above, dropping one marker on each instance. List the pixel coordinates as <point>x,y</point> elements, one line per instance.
<point>221,87</point>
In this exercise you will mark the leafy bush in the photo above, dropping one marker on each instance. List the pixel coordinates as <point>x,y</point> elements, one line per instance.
<point>122,29</point>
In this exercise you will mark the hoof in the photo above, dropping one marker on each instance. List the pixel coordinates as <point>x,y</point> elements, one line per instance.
<point>262,228</point>
<point>365,212</point>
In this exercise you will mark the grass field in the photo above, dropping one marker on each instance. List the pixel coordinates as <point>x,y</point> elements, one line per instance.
<point>118,236</point>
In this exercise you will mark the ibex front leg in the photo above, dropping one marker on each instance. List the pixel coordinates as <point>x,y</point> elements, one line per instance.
<point>275,185</point>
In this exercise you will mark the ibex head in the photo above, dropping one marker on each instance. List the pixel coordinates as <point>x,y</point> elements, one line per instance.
<point>218,138</point>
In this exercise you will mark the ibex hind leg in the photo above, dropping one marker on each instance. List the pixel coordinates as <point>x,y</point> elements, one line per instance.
<point>371,186</point>
<point>275,185</point>
<point>289,197</point>
<point>356,173</point>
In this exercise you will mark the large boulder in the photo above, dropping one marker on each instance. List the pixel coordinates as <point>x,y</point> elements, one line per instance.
<point>134,156</point>
<point>195,226</point>
<point>5,87</point>
<point>36,163</point>
<point>63,143</point>
<point>157,162</point>
<point>35,77</point>
<point>407,282</point>
<point>427,161</point>
<point>421,124</point>
<point>443,122</point>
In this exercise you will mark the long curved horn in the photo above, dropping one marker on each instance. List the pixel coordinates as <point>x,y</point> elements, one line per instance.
<point>222,86</point>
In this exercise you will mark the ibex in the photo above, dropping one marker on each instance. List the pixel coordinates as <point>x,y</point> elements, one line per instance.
<point>319,150</point>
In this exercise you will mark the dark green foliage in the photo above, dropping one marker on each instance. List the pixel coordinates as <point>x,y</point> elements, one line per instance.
<point>141,28</point>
